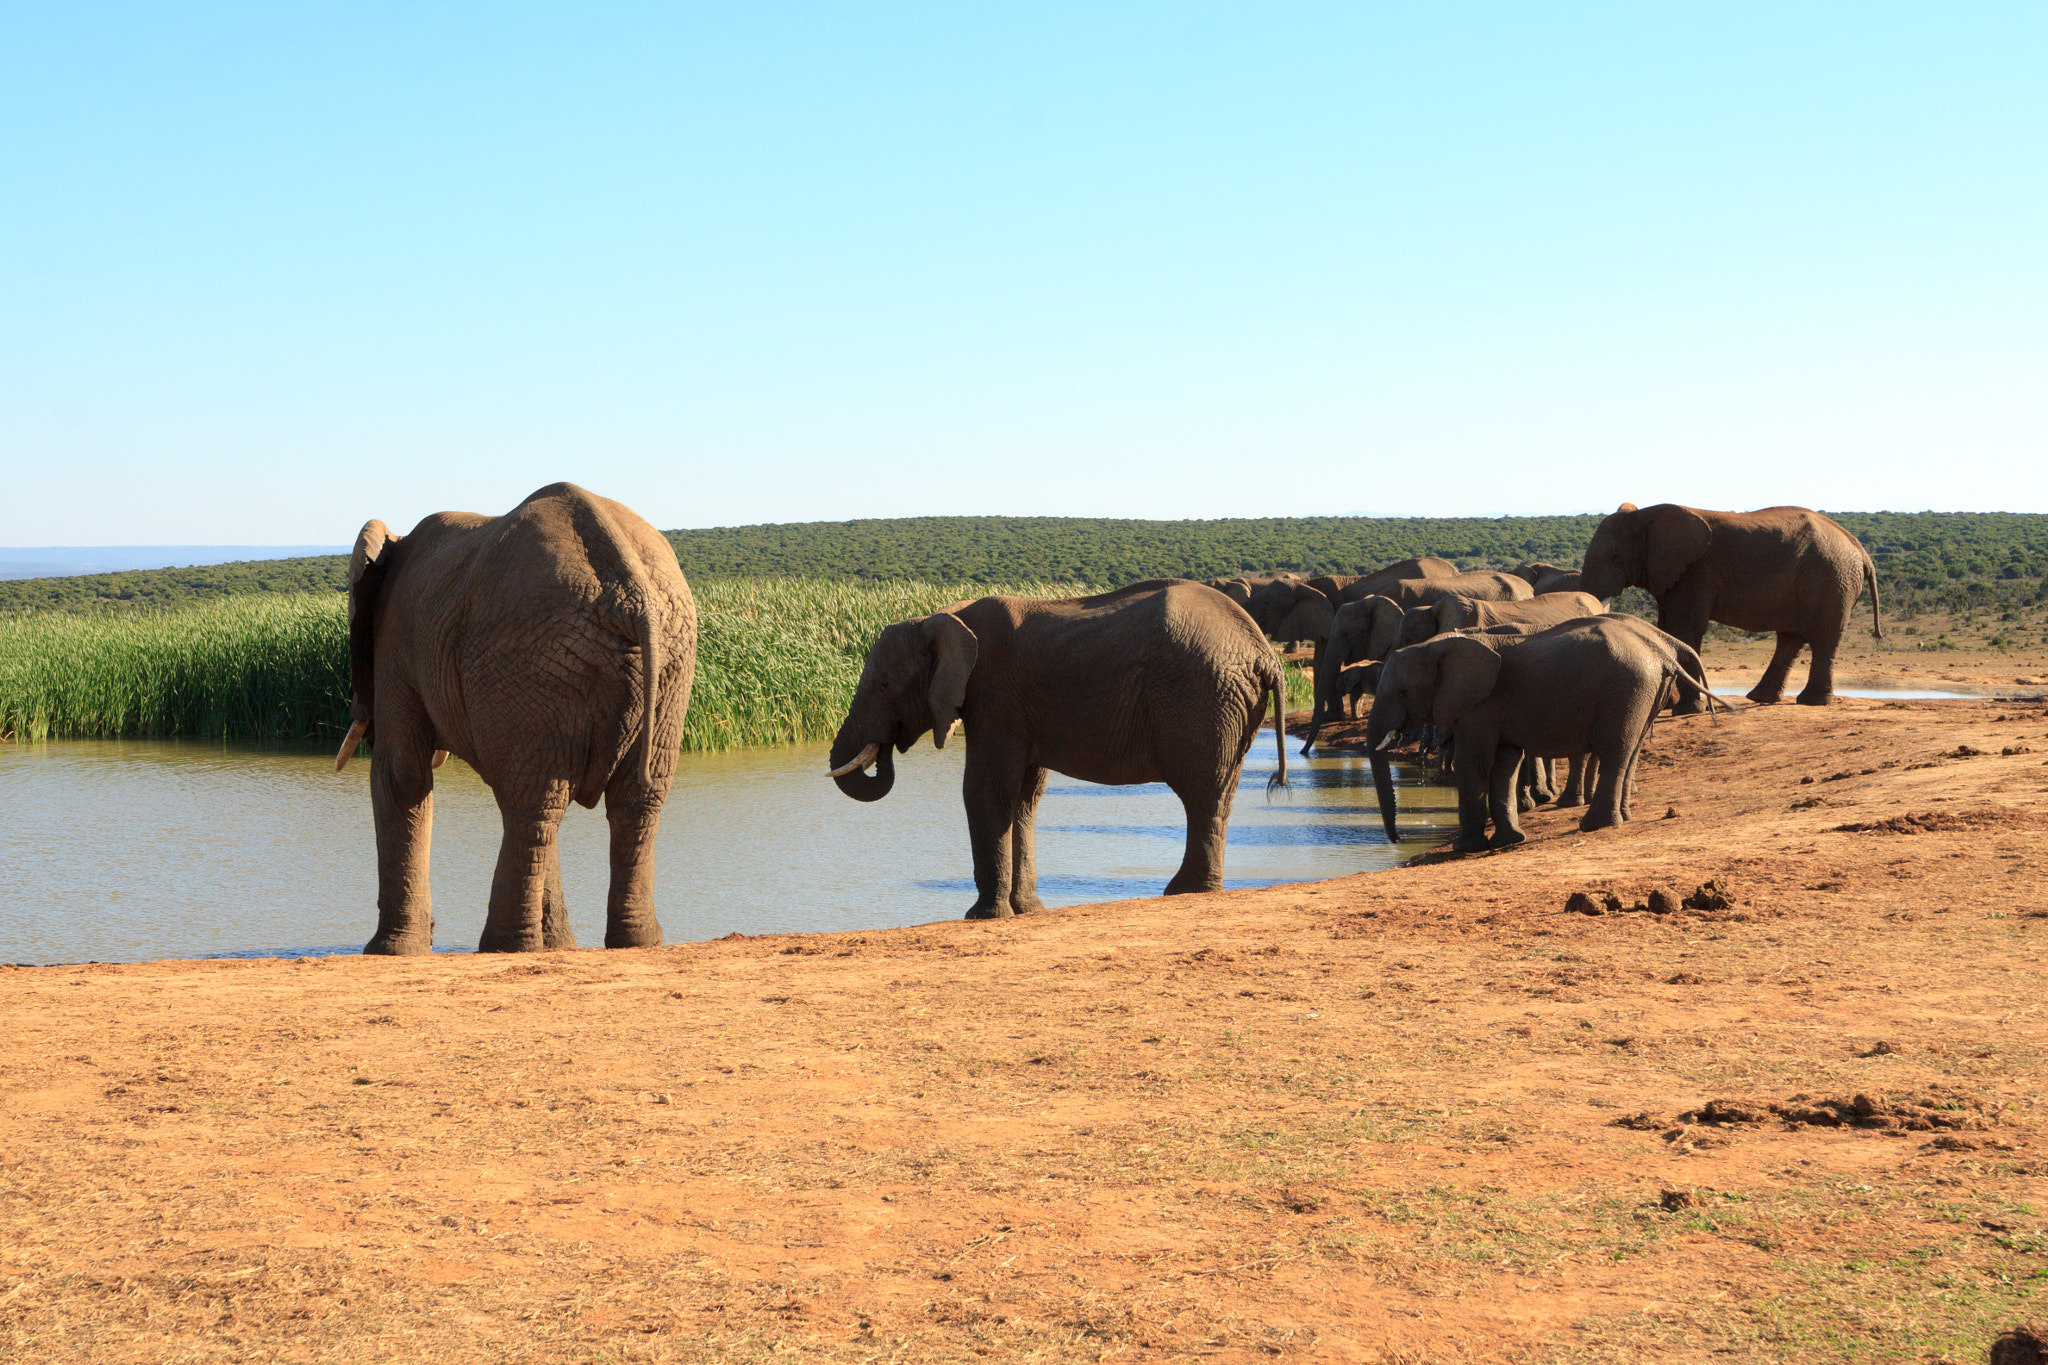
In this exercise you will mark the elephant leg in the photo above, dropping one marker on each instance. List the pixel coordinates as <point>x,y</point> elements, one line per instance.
<point>1474,781</point>
<point>1546,781</point>
<point>990,795</point>
<point>1820,676</point>
<point>634,814</point>
<point>1023,849</point>
<point>1208,817</point>
<point>1504,795</point>
<point>519,886</point>
<point>1525,788</point>
<point>1686,621</point>
<point>1577,780</point>
<point>554,908</point>
<point>402,803</point>
<point>1770,689</point>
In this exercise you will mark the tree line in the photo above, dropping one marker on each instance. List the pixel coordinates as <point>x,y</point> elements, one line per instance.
<point>1934,559</point>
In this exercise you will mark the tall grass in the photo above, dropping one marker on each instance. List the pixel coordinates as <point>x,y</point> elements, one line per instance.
<point>777,661</point>
<point>258,668</point>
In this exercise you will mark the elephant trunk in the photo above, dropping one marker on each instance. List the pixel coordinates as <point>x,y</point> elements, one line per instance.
<point>849,776</point>
<point>1326,671</point>
<point>1383,787</point>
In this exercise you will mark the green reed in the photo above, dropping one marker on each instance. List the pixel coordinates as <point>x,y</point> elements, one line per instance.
<point>777,660</point>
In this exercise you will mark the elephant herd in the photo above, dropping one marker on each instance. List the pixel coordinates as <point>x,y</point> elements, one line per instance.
<point>553,650</point>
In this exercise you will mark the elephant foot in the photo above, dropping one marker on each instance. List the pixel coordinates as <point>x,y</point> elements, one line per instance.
<point>1470,843</point>
<point>1763,697</point>
<point>399,945</point>
<point>1024,905</point>
<point>1191,886</point>
<point>639,938</point>
<point>992,910</point>
<point>1507,839</point>
<point>1816,698</point>
<point>1688,708</point>
<point>1592,822</point>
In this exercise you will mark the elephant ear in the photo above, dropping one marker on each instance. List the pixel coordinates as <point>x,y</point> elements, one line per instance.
<point>1466,672</point>
<point>1308,618</point>
<point>954,647</point>
<point>366,567</point>
<point>1386,628</point>
<point>1677,536</point>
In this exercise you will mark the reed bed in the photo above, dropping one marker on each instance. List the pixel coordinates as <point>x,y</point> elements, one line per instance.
<point>777,660</point>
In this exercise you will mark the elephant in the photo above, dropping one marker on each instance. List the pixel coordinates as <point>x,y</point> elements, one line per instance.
<point>1162,681</point>
<point>1465,613</point>
<point>1272,602</point>
<point>1239,589</point>
<point>1377,626</point>
<point>1589,685</point>
<point>1783,569</point>
<point>552,649</point>
<point>1547,577</point>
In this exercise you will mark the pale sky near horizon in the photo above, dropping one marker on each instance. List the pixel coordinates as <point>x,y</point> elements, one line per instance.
<point>267,271</point>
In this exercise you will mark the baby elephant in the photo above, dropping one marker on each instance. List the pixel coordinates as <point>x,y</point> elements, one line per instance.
<point>1588,686</point>
<point>1163,681</point>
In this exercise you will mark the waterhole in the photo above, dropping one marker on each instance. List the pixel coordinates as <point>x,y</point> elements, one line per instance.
<point>121,851</point>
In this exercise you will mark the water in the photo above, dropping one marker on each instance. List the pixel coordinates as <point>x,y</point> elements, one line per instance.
<point>134,850</point>
<point>1884,693</point>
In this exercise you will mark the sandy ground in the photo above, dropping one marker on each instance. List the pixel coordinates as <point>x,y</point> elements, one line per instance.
<point>1425,1114</point>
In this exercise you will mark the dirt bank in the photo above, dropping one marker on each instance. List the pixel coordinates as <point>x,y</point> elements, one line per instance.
<point>1424,1114</point>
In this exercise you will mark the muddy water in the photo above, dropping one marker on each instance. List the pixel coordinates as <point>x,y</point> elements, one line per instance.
<point>127,851</point>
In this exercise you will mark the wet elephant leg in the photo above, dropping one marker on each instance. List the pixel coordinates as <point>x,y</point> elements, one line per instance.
<point>634,814</point>
<point>402,803</point>
<point>519,886</point>
<point>1770,689</point>
<point>1023,852</point>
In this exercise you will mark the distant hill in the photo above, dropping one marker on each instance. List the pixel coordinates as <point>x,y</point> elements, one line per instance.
<point>1955,556</point>
<point>59,561</point>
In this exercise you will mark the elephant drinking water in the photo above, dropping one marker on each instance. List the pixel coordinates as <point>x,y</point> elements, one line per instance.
<point>1163,681</point>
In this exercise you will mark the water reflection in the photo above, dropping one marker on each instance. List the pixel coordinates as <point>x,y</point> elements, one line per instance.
<point>129,850</point>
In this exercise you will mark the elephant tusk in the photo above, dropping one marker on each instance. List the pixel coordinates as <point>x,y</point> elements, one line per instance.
<point>440,757</point>
<point>348,746</point>
<point>1391,737</point>
<point>857,763</point>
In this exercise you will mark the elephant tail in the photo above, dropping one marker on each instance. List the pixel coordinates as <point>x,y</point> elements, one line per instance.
<point>650,684</point>
<point>1278,684</point>
<point>1870,581</point>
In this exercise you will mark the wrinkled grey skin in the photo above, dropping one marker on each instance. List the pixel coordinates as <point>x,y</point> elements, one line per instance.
<point>1464,613</point>
<point>1364,630</point>
<point>1783,569</point>
<point>1163,681</point>
<point>552,650</point>
<point>1590,685</point>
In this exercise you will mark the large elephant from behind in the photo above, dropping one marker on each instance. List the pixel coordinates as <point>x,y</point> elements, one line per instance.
<point>1589,686</point>
<point>1783,569</point>
<point>1163,681</point>
<point>552,650</point>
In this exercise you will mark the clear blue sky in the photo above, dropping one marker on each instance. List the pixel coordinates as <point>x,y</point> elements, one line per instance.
<point>266,271</point>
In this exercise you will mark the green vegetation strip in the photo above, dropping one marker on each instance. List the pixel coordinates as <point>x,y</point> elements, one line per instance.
<point>776,663</point>
<point>1938,561</point>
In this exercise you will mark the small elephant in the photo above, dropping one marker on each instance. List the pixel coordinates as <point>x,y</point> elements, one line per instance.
<point>1784,569</point>
<point>552,650</point>
<point>1590,685</point>
<point>1163,681</point>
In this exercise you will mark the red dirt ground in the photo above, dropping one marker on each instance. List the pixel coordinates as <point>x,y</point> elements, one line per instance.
<point>1423,1114</point>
